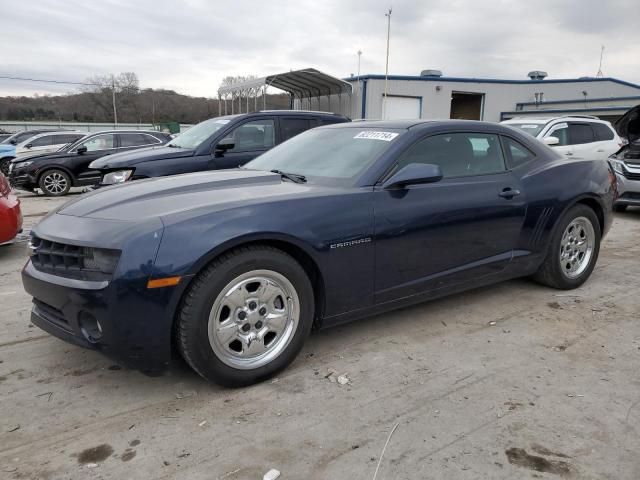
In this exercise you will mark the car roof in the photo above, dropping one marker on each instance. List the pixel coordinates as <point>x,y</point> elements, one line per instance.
<point>305,113</point>
<point>151,132</point>
<point>54,132</point>
<point>583,118</point>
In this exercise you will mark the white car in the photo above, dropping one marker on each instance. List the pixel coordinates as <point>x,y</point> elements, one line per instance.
<point>47,142</point>
<point>577,137</point>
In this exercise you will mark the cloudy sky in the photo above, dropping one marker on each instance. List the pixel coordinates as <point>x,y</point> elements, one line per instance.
<point>190,45</point>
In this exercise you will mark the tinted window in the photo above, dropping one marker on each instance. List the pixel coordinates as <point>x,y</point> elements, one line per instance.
<point>602,131</point>
<point>580,133</point>
<point>255,135</point>
<point>290,127</point>
<point>517,154</point>
<point>561,132</point>
<point>42,141</point>
<point>64,139</point>
<point>99,142</point>
<point>136,139</point>
<point>458,154</point>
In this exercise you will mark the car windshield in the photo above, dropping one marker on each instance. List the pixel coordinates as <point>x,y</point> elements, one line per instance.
<point>338,154</point>
<point>197,134</point>
<point>532,129</point>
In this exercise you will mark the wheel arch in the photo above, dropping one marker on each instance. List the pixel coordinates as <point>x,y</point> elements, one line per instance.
<point>47,168</point>
<point>291,246</point>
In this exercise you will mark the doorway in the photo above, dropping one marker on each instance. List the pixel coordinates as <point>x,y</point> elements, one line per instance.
<point>467,106</point>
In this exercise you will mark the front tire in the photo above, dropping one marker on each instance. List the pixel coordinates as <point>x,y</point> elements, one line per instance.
<point>246,316</point>
<point>4,166</point>
<point>573,250</point>
<point>55,183</point>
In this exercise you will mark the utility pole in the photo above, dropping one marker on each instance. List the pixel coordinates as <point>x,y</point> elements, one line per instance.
<point>386,69</point>
<point>113,98</point>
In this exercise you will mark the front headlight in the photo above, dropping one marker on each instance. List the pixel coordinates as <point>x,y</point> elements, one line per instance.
<point>618,166</point>
<point>19,165</point>
<point>117,177</point>
<point>100,259</point>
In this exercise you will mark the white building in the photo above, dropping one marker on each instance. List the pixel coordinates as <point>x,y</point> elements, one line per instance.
<point>433,96</point>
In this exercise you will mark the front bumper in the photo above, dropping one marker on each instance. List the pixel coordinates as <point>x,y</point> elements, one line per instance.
<point>135,322</point>
<point>10,218</point>
<point>135,325</point>
<point>23,181</point>
<point>628,188</point>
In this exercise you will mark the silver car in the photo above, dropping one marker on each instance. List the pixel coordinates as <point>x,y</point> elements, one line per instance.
<point>626,162</point>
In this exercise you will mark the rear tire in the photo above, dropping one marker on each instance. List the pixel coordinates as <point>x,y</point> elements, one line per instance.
<point>620,208</point>
<point>246,316</point>
<point>55,183</point>
<point>573,251</point>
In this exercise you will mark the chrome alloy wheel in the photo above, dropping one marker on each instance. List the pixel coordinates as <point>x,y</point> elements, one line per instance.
<point>253,319</point>
<point>576,247</point>
<point>55,183</point>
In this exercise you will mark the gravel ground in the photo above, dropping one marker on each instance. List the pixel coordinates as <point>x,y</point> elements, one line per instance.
<point>510,381</point>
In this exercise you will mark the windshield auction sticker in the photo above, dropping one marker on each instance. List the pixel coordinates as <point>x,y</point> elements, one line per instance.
<point>375,135</point>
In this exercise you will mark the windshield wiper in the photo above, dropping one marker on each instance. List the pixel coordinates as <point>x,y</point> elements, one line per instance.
<point>294,177</point>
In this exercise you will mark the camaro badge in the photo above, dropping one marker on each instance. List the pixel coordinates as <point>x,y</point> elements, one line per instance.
<point>350,243</point>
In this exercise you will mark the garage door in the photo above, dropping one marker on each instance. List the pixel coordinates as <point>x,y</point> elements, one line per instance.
<point>402,107</point>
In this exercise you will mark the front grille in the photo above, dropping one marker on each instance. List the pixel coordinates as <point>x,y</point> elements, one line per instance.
<point>51,314</point>
<point>630,175</point>
<point>64,260</point>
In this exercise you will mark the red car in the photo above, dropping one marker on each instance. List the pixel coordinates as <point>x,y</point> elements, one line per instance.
<point>10,215</point>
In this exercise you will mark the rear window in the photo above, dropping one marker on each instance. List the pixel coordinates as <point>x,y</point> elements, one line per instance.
<point>602,132</point>
<point>517,154</point>
<point>580,133</point>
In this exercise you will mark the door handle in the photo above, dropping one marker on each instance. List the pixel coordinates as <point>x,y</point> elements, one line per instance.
<point>600,150</point>
<point>509,193</point>
<point>569,154</point>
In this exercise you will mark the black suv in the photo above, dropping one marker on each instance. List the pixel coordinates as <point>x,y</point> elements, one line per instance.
<point>55,173</point>
<point>217,143</point>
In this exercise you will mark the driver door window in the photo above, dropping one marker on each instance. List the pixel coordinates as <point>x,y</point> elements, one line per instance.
<point>562,134</point>
<point>257,135</point>
<point>100,142</point>
<point>458,154</point>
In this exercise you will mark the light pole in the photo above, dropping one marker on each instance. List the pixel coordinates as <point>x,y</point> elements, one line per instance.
<point>386,68</point>
<point>358,76</point>
<point>113,99</point>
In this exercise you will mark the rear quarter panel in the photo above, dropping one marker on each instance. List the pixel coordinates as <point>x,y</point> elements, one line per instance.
<point>552,188</point>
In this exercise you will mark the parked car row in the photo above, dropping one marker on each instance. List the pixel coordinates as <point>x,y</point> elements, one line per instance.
<point>55,173</point>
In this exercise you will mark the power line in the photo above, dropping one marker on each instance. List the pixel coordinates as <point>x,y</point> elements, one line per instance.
<point>62,82</point>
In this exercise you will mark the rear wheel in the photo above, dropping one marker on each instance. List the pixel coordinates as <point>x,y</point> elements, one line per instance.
<point>246,316</point>
<point>55,183</point>
<point>573,251</point>
<point>620,208</point>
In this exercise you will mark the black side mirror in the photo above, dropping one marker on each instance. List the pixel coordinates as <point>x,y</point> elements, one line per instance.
<point>414,174</point>
<point>13,142</point>
<point>223,145</point>
<point>28,145</point>
<point>81,150</point>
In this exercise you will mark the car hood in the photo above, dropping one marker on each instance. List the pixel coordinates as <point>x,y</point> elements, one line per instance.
<point>189,193</point>
<point>133,157</point>
<point>628,126</point>
<point>10,149</point>
<point>48,156</point>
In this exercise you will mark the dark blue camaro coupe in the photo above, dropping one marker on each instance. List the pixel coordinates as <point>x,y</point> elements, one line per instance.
<point>233,268</point>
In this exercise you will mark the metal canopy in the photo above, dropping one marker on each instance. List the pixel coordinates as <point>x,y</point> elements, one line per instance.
<point>305,83</point>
